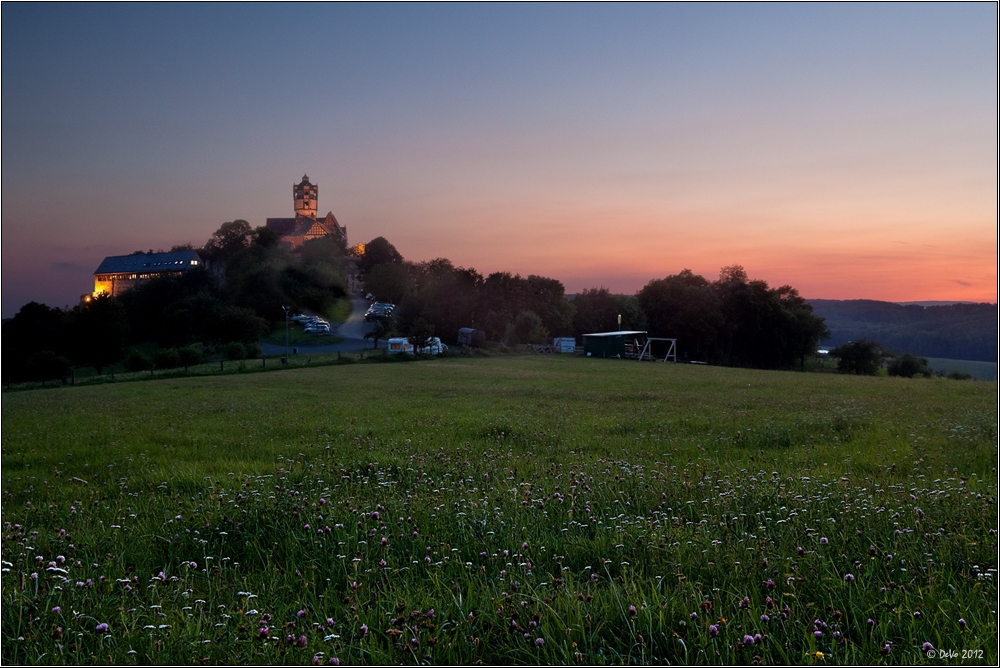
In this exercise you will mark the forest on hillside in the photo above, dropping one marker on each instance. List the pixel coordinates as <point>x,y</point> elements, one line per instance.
<point>954,331</point>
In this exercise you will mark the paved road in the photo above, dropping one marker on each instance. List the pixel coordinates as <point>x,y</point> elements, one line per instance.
<point>352,331</point>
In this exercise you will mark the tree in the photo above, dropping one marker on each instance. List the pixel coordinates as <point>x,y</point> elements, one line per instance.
<point>378,251</point>
<point>228,240</point>
<point>102,332</point>
<point>908,366</point>
<point>861,357</point>
<point>597,310</point>
<point>526,328</point>
<point>389,281</point>
<point>684,307</point>
<point>376,333</point>
<point>419,333</point>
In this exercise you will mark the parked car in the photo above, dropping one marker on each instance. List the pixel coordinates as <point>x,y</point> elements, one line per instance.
<point>322,328</point>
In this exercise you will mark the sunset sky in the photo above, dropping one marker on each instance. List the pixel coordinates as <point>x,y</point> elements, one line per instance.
<point>848,150</point>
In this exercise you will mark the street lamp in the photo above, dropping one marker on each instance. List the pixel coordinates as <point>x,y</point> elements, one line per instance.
<point>287,310</point>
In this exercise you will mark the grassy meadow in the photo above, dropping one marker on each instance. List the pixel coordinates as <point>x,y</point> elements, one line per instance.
<point>517,509</point>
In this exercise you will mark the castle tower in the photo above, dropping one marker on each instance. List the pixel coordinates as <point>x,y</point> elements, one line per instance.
<point>305,195</point>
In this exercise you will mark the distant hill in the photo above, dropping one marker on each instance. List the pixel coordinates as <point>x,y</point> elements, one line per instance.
<point>956,331</point>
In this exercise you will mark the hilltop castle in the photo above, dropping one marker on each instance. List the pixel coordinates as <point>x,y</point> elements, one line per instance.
<point>305,225</point>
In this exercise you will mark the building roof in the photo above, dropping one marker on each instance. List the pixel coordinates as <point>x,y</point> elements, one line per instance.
<point>625,333</point>
<point>149,262</point>
<point>282,226</point>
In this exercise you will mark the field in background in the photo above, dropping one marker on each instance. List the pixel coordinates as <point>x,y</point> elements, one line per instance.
<point>978,370</point>
<point>531,509</point>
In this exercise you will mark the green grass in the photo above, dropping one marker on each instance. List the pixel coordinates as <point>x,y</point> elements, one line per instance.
<point>620,512</point>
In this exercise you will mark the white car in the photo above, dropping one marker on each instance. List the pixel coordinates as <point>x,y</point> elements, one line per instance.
<point>318,328</point>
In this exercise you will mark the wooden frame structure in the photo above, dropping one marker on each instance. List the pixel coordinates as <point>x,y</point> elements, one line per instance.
<point>671,350</point>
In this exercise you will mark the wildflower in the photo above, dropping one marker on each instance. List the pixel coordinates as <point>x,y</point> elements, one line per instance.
<point>102,628</point>
<point>306,527</point>
<point>886,649</point>
<point>800,551</point>
<point>334,661</point>
<point>56,610</point>
<point>539,642</point>
<point>870,622</point>
<point>818,655</point>
<point>385,541</point>
<point>193,564</point>
<point>632,611</point>
<point>770,585</point>
<point>747,640</point>
<point>322,501</point>
<point>824,541</point>
<point>818,634</point>
<point>329,621</point>
<point>849,577</point>
<point>264,633</point>
<point>61,559</point>
<point>871,550</point>
<point>916,614</point>
<point>693,615</point>
<point>303,641</point>
<point>364,629</point>
<point>713,630</point>
<point>317,660</point>
<point>765,619</point>
<point>34,576</point>
<point>961,622</point>
<point>300,614</point>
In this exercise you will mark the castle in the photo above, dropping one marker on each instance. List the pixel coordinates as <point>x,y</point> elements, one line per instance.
<point>305,225</point>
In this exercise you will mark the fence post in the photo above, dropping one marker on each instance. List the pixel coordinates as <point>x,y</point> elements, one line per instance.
<point>222,365</point>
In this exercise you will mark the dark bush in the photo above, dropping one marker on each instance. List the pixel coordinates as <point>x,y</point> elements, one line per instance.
<point>45,365</point>
<point>192,354</point>
<point>234,350</point>
<point>137,361</point>
<point>908,366</point>
<point>167,359</point>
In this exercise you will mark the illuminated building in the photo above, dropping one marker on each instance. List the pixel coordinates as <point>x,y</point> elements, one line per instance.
<point>305,225</point>
<point>119,273</point>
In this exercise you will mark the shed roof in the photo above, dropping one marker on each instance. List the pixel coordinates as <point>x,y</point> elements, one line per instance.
<point>147,262</point>
<point>625,333</point>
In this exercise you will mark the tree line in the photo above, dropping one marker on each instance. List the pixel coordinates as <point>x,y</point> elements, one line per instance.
<point>733,320</point>
<point>224,306</point>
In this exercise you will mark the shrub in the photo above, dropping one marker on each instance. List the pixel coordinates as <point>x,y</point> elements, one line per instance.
<point>908,366</point>
<point>234,350</point>
<point>137,361</point>
<point>46,365</point>
<point>861,357</point>
<point>253,350</point>
<point>167,359</point>
<point>959,375</point>
<point>191,354</point>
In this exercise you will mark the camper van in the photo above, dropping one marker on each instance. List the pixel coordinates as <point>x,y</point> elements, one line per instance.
<point>433,347</point>
<point>400,346</point>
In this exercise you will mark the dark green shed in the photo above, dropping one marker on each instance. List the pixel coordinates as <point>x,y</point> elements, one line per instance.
<point>613,344</point>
